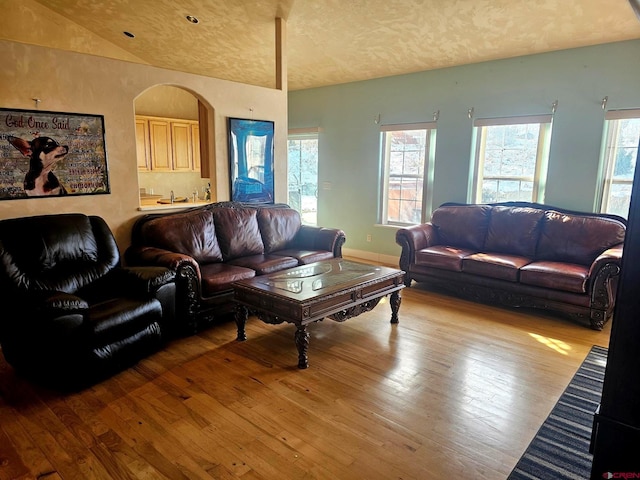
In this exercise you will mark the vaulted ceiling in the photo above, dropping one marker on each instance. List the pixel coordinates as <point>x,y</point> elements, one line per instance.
<point>328,41</point>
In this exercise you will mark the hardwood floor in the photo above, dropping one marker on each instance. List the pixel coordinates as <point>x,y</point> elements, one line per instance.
<point>456,390</point>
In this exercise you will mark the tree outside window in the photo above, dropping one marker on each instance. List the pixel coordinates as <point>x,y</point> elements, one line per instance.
<point>622,134</point>
<point>302,175</point>
<point>511,159</point>
<point>407,152</point>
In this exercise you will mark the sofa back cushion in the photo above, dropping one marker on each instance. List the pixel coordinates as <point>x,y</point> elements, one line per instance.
<point>238,232</point>
<point>514,230</point>
<point>278,227</point>
<point>462,225</point>
<point>575,238</point>
<point>191,233</point>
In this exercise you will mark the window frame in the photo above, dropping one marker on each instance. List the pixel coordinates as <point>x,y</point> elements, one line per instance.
<point>426,203</point>
<point>539,177</point>
<point>608,155</point>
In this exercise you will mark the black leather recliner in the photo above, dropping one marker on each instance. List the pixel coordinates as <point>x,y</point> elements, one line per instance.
<point>71,313</point>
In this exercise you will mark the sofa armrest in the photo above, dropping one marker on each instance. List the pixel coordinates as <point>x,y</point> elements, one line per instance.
<point>612,256</point>
<point>320,238</point>
<point>158,257</point>
<point>187,287</point>
<point>413,239</point>
<point>145,280</point>
<point>603,278</point>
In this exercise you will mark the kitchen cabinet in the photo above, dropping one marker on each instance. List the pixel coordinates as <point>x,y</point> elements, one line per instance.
<point>167,144</point>
<point>142,145</point>
<point>182,146</point>
<point>195,139</point>
<point>160,141</point>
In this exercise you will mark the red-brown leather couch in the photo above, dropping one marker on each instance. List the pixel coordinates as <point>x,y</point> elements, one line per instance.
<point>519,254</point>
<point>212,246</point>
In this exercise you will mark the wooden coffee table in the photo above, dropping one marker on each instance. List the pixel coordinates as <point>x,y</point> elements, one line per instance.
<point>337,289</point>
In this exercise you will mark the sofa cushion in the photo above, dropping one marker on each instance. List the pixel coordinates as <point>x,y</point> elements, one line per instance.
<point>265,264</point>
<point>305,257</point>
<point>278,227</point>
<point>442,256</point>
<point>556,275</point>
<point>217,277</point>
<point>191,233</point>
<point>238,233</point>
<point>577,238</point>
<point>462,226</point>
<point>514,230</point>
<point>496,265</point>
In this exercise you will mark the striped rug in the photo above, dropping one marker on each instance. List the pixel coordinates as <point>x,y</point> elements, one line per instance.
<point>560,449</point>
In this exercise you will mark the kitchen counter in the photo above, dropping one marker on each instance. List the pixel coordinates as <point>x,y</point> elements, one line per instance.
<point>146,206</point>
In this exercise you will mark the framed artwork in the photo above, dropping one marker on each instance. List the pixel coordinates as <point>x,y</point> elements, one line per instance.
<point>45,154</point>
<point>251,160</point>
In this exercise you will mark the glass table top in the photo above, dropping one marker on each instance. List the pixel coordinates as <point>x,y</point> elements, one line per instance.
<point>318,276</point>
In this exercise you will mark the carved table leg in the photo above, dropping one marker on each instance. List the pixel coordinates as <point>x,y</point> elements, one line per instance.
<point>395,301</point>
<point>241,315</point>
<point>302,342</point>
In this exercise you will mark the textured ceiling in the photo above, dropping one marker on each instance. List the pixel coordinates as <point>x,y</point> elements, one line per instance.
<point>328,41</point>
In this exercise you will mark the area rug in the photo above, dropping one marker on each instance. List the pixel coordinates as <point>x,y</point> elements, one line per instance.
<point>560,449</point>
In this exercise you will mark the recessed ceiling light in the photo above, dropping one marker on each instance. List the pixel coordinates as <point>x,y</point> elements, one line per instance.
<point>192,19</point>
<point>129,34</point>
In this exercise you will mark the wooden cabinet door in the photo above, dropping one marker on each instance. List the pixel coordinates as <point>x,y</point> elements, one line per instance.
<point>142,145</point>
<point>181,145</point>
<point>161,154</point>
<point>195,151</point>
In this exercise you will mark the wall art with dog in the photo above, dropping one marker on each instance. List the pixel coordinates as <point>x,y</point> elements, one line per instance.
<point>44,154</point>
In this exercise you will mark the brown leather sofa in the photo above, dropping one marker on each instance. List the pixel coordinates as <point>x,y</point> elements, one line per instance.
<point>519,254</point>
<point>211,246</point>
<point>71,314</point>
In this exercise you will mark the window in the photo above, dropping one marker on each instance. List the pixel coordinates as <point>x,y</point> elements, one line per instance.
<point>511,156</point>
<point>303,174</point>
<point>407,156</point>
<point>622,133</point>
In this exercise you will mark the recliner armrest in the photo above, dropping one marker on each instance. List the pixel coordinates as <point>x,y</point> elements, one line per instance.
<point>59,314</point>
<point>60,303</point>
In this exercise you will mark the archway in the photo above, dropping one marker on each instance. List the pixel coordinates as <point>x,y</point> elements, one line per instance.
<point>168,147</point>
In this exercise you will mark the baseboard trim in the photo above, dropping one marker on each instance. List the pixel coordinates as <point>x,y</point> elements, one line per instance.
<point>373,257</point>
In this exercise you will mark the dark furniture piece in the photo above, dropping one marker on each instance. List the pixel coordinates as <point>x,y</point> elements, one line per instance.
<point>521,255</point>
<point>212,246</point>
<point>616,436</point>
<point>337,289</point>
<point>71,313</point>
